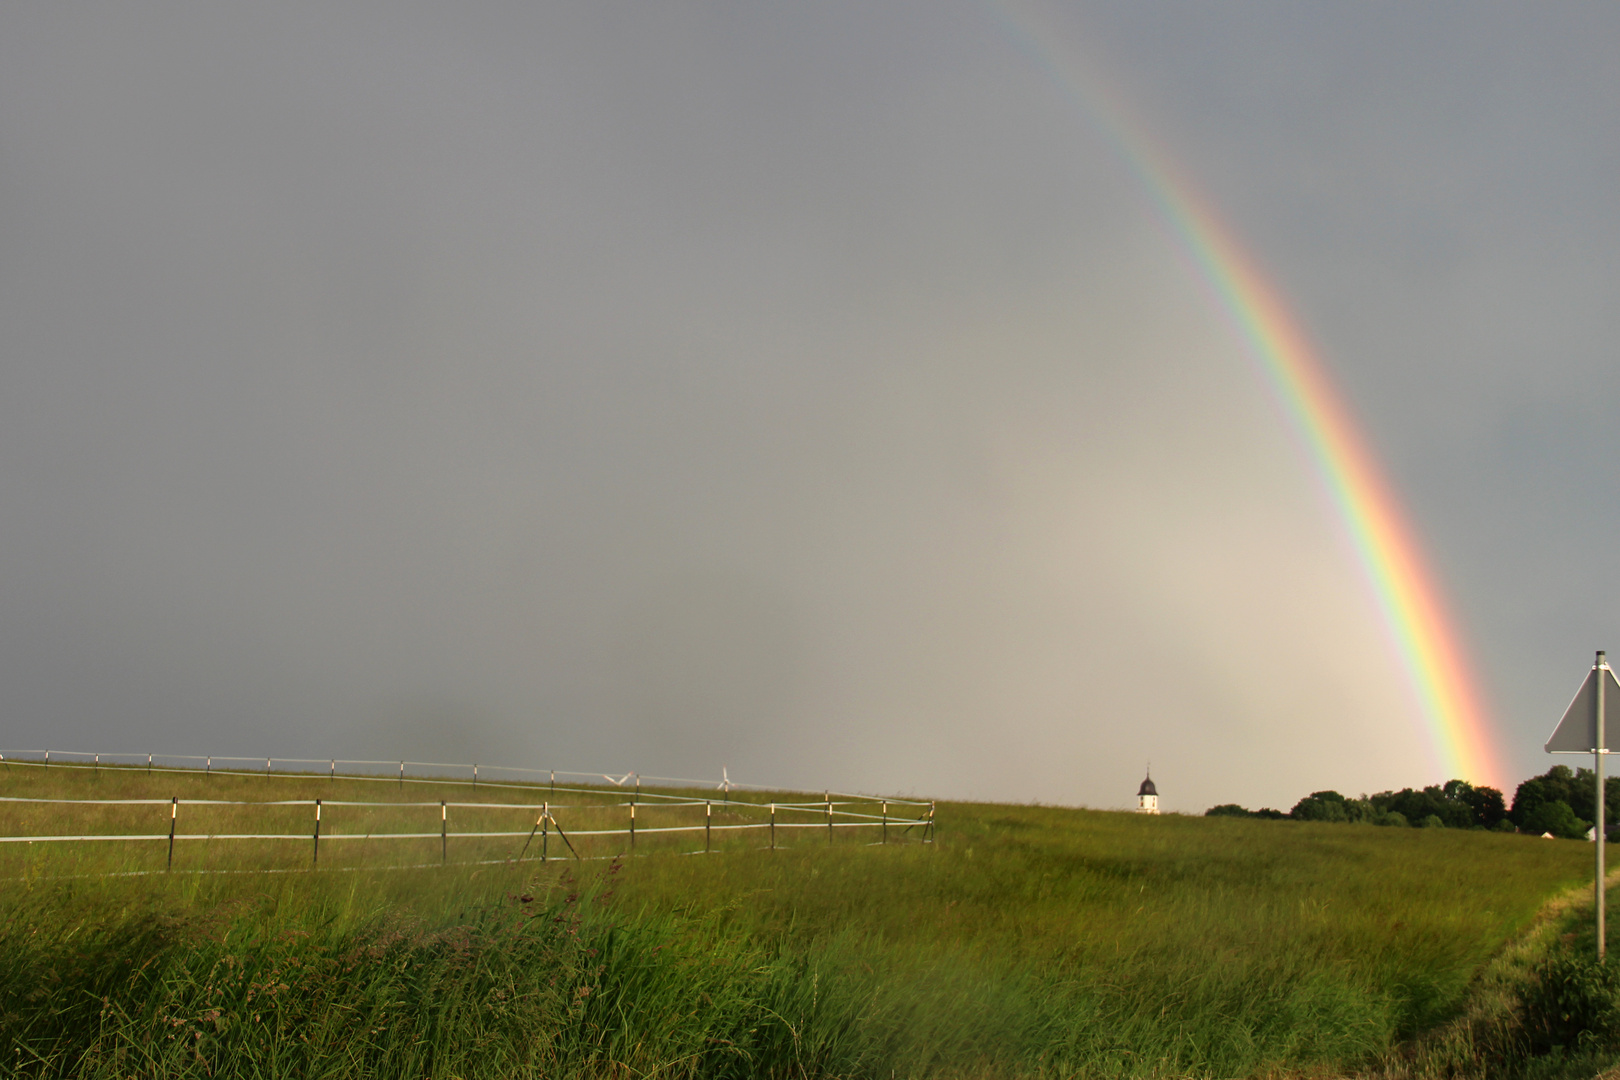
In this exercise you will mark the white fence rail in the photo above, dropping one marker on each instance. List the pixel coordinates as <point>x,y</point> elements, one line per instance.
<point>662,816</point>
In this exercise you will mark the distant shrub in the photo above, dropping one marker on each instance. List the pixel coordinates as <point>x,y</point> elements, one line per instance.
<point>1269,814</point>
<point>1431,822</point>
<point>1230,809</point>
<point>1575,788</point>
<point>1320,806</point>
<point>1391,817</point>
<point>1556,818</point>
<point>1504,826</point>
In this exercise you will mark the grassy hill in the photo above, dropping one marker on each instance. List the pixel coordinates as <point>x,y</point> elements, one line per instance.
<point>1027,941</point>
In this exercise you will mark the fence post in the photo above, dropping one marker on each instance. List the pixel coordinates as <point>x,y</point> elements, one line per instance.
<point>708,819</point>
<point>636,797</point>
<point>174,811</point>
<point>315,856</point>
<point>208,769</point>
<point>773,826</point>
<point>402,776</point>
<point>930,821</point>
<point>97,767</point>
<point>444,832</point>
<point>267,766</point>
<point>828,796</point>
<point>632,826</point>
<point>553,783</point>
<point>475,774</point>
<point>47,758</point>
<point>545,831</point>
<point>885,821</point>
<point>148,764</point>
<point>334,770</point>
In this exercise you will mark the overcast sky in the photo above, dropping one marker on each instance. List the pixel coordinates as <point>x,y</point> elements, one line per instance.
<point>806,389</point>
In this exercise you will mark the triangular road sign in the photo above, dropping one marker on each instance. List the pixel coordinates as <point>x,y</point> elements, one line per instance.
<point>1577,732</point>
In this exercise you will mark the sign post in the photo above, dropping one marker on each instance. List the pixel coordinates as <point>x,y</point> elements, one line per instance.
<point>1583,731</point>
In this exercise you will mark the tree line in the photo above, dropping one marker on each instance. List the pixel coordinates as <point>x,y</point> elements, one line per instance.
<point>1561,801</point>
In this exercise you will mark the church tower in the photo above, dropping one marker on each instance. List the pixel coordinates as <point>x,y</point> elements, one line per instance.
<point>1147,797</point>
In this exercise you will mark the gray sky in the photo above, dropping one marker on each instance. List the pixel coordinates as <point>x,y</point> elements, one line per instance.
<point>808,389</point>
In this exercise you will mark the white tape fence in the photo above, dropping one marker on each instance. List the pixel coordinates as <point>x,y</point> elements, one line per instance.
<point>590,822</point>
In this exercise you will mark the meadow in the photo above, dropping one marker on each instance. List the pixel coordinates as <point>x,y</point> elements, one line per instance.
<point>1024,941</point>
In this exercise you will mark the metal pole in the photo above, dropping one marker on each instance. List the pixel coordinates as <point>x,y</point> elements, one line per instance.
<point>174,811</point>
<point>708,819</point>
<point>553,783</point>
<point>475,774</point>
<point>316,856</point>
<point>97,767</point>
<point>444,832</point>
<point>1597,758</point>
<point>267,766</point>
<point>773,826</point>
<point>208,769</point>
<point>148,764</point>
<point>828,796</point>
<point>885,821</point>
<point>402,775</point>
<point>632,826</point>
<point>334,770</point>
<point>545,831</point>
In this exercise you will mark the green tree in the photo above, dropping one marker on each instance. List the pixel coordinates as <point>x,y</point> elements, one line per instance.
<point>1555,817</point>
<point>1320,806</point>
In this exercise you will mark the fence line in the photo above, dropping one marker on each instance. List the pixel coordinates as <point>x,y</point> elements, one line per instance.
<point>152,764</point>
<point>832,814</point>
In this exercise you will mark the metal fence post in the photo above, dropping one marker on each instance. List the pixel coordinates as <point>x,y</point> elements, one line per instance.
<point>402,775</point>
<point>545,831</point>
<point>632,826</point>
<point>708,819</point>
<point>444,832</point>
<point>828,796</point>
<point>174,811</point>
<point>315,856</point>
<point>885,821</point>
<point>148,764</point>
<point>334,770</point>
<point>773,826</point>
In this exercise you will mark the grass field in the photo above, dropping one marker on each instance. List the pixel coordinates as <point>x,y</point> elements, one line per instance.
<point>1028,941</point>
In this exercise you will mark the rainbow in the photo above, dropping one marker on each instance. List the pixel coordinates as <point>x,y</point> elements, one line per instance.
<point>1407,595</point>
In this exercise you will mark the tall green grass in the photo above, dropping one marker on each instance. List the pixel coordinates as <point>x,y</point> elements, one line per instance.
<point>1029,941</point>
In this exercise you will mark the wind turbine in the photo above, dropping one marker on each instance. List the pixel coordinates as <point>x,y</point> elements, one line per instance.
<point>725,783</point>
